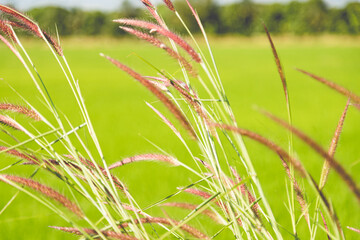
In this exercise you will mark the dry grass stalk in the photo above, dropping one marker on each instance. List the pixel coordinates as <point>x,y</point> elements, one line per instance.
<point>162,31</point>
<point>299,193</point>
<point>190,206</point>
<point>45,190</point>
<point>278,63</point>
<point>266,142</point>
<point>355,98</point>
<point>146,157</point>
<point>325,225</point>
<point>166,121</point>
<point>333,146</point>
<point>332,162</point>
<point>161,96</point>
<point>192,231</point>
<point>354,229</point>
<point>92,232</point>
<point>157,43</point>
<point>20,109</point>
<point>7,121</point>
<point>13,152</point>
<point>169,5</point>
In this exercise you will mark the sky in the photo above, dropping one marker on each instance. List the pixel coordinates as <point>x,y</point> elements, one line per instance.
<point>108,5</point>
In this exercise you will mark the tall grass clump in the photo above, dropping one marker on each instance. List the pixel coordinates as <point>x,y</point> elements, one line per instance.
<point>227,190</point>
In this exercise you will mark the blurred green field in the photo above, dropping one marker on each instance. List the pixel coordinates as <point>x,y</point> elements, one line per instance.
<point>124,123</point>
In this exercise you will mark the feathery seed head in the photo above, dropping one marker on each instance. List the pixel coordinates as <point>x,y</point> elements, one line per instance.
<point>162,31</point>
<point>170,5</point>
<point>20,109</point>
<point>45,190</point>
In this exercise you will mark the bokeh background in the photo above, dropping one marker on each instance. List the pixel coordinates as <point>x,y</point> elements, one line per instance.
<point>319,36</point>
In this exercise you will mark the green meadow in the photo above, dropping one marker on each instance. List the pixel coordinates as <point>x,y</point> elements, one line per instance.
<point>125,125</point>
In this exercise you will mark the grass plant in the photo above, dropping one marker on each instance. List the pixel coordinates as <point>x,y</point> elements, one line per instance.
<point>227,189</point>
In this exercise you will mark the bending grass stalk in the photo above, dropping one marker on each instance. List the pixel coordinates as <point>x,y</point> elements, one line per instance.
<point>218,85</point>
<point>153,27</point>
<point>173,109</point>
<point>355,98</point>
<point>290,171</point>
<point>54,111</point>
<point>165,120</point>
<point>271,145</point>
<point>154,41</point>
<point>332,162</point>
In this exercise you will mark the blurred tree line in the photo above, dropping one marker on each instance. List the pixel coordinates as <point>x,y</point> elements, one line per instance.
<point>242,17</point>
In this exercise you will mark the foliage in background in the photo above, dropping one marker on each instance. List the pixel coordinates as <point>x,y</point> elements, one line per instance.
<point>243,17</point>
<point>231,195</point>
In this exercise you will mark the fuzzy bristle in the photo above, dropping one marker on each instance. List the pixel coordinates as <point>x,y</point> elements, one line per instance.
<point>90,165</point>
<point>146,157</point>
<point>161,96</point>
<point>29,158</point>
<point>6,29</point>
<point>157,43</point>
<point>266,142</point>
<point>45,190</point>
<point>162,31</point>
<point>20,109</point>
<point>355,98</point>
<point>7,121</point>
<point>27,22</point>
<point>190,206</point>
<point>170,5</point>
<point>333,146</point>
